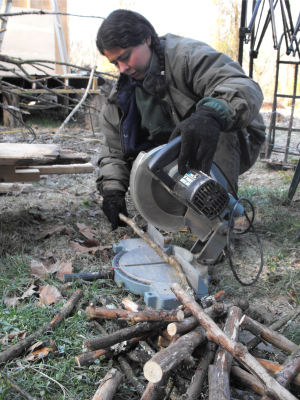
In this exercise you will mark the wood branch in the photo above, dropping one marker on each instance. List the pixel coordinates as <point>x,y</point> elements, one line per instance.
<point>130,305</point>
<point>109,385</point>
<point>124,334</point>
<point>268,334</point>
<point>16,387</point>
<point>89,357</point>
<point>98,327</point>
<point>247,380</point>
<point>157,390</point>
<point>274,368</point>
<point>290,370</point>
<point>215,311</point>
<point>170,260</point>
<point>198,379</point>
<point>275,327</point>
<point>134,317</point>
<point>75,108</point>
<point>43,12</point>
<point>170,357</point>
<point>214,333</point>
<point>126,368</point>
<point>223,359</point>
<point>210,300</point>
<point>17,349</point>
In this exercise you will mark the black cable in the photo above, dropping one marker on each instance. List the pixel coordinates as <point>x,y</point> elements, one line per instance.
<point>231,227</point>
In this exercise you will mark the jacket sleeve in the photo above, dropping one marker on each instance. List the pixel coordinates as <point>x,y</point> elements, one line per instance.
<point>114,169</point>
<point>210,74</point>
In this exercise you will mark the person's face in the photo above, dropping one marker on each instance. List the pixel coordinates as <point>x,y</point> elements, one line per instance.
<point>133,61</point>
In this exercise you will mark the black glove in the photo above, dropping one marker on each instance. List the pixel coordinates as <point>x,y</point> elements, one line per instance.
<point>199,139</point>
<point>114,204</point>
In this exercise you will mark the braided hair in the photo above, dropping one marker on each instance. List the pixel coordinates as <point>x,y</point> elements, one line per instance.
<point>125,28</point>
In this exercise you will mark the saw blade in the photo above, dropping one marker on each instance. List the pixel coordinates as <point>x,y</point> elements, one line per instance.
<point>166,201</point>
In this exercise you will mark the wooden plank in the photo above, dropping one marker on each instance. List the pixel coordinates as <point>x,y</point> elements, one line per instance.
<point>65,169</point>
<point>13,187</point>
<point>24,154</point>
<point>21,175</point>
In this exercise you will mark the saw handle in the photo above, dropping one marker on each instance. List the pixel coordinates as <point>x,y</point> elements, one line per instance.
<point>86,276</point>
<point>163,158</point>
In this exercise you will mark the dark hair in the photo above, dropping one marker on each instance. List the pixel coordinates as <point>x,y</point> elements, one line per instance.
<point>124,28</point>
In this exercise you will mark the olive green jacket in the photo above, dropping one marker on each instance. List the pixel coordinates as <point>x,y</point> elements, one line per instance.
<point>194,71</point>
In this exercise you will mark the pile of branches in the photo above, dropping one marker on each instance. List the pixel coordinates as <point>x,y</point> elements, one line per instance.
<point>192,352</point>
<point>179,351</point>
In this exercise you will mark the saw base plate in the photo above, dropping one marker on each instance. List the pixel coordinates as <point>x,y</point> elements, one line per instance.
<point>144,272</point>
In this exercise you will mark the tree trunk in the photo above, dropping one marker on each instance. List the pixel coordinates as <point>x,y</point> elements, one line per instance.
<point>17,349</point>
<point>173,355</point>
<point>197,381</point>
<point>223,359</point>
<point>109,385</point>
<point>214,333</point>
<point>123,334</point>
<point>268,334</point>
<point>134,317</point>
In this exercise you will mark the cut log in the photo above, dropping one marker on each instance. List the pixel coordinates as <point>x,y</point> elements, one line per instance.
<point>247,380</point>
<point>215,311</point>
<point>123,334</point>
<point>134,317</point>
<point>126,368</point>
<point>214,333</point>
<point>274,368</point>
<point>170,357</point>
<point>200,374</point>
<point>223,359</point>
<point>109,385</point>
<point>17,349</point>
<point>268,334</point>
<point>170,260</point>
<point>275,327</point>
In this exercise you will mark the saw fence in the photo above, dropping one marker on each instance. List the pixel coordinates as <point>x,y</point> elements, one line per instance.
<point>193,352</point>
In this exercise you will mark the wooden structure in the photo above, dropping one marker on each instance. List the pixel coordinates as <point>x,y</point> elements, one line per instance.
<point>22,162</point>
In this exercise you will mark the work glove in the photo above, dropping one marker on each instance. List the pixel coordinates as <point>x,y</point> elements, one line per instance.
<point>114,204</point>
<point>199,139</point>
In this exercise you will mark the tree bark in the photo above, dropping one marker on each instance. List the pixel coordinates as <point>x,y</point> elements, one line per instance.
<point>17,349</point>
<point>274,368</point>
<point>170,357</point>
<point>268,334</point>
<point>197,381</point>
<point>223,359</point>
<point>130,375</point>
<point>214,333</point>
<point>275,327</point>
<point>134,317</point>
<point>109,385</point>
<point>123,334</point>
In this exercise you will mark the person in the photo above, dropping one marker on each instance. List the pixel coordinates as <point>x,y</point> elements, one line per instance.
<point>170,86</point>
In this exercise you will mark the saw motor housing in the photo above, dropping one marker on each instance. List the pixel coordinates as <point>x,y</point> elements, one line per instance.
<point>170,201</point>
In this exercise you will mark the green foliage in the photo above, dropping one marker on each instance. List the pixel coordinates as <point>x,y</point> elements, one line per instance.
<point>225,34</point>
<point>43,122</point>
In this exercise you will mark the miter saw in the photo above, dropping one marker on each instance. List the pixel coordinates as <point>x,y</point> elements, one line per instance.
<point>171,202</point>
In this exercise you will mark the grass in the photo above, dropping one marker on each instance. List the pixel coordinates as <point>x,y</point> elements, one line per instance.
<point>43,122</point>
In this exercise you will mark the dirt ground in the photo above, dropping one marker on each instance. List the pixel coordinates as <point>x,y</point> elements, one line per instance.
<point>66,200</point>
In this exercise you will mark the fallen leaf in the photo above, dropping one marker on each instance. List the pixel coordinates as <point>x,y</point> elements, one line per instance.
<point>35,346</point>
<point>90,242</point>
<point>11,301</point>
<point>64,268</point>
<point>50,294</point>
<point>40,351</point>
<point>51,231</point>
<point>40,270</point>
<point>11,336</point>
<point>92,250</point>
<point>29,292</point>
<point>87,230</point>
